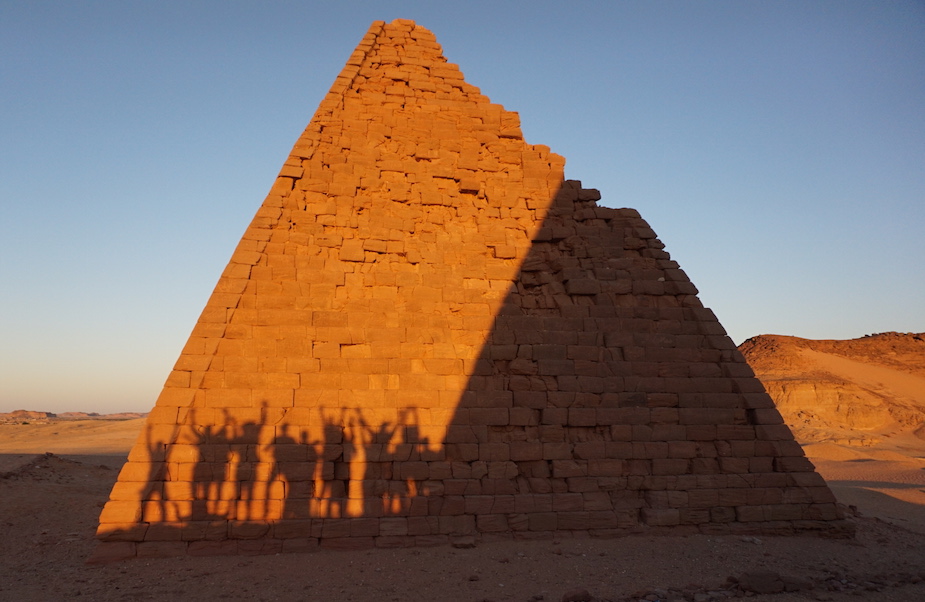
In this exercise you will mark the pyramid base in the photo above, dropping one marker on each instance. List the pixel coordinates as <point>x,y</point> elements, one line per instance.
<point>116,551</point>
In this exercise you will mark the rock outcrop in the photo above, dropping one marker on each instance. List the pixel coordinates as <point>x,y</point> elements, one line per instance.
<point>25,416</point>
<point>850,391</point>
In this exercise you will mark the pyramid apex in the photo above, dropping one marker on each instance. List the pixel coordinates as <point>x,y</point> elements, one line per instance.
<point>403,25</point>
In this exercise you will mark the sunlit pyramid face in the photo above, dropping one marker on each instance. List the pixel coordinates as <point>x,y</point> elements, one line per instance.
<point>427,334</point>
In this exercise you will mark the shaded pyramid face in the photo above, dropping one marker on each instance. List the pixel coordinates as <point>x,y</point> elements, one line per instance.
<point>426,333</point>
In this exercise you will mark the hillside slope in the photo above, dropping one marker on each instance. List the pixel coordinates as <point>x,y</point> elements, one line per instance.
<point>853,392</point>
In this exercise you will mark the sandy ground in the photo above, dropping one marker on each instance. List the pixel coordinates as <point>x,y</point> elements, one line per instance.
<point>892,382</point>
<point>886,480</point>
<point>49,506</point>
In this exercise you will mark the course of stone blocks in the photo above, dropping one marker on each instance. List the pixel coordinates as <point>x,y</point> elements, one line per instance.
<point>427,335</point>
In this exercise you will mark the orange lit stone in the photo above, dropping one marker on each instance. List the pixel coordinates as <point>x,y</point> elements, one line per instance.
<point>426,332</point>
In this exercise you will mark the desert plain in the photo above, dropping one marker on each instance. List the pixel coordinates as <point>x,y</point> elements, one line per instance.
<point>856,406</point>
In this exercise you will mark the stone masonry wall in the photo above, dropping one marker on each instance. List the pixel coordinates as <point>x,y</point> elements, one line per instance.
<point>427,334</point>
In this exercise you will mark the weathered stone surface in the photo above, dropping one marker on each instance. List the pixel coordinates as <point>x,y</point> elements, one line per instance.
<point>428,335</point>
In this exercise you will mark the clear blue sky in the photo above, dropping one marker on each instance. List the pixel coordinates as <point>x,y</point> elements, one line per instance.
<point>777,148</point>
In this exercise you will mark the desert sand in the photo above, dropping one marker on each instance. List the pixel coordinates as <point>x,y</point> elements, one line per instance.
<point>49,505</point>
<point>856,406</point>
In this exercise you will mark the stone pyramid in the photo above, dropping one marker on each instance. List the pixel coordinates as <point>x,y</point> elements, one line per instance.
<point>427,335</point>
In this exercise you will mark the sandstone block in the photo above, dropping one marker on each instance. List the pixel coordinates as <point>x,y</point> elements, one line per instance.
<point>793,464</point>
<point>567,502</point>
<point>121,532</point>
<point>121,512</point>
<point>661,517</point>
<point>300,545</point>
<point>557,451</point>
<point>526,451</point>
<point>393,526</point>
<point>491,523</point>
<point>543,521</point>
<point>348,543</point>
<point>228,547</point>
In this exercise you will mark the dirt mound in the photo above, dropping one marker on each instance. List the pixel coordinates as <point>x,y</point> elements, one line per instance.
<point>852,392</point>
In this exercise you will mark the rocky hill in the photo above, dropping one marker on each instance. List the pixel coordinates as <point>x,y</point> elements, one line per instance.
<point>34,417</point>
<point>853,391</point>
<point>25,417</point>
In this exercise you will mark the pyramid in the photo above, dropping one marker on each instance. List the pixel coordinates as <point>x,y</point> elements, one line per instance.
<point>427,335</point>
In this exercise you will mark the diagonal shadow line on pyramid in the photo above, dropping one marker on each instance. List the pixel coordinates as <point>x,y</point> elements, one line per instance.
<point>427,333</point>
<point>607,400</point>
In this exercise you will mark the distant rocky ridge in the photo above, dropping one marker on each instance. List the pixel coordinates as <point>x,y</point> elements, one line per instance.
<point>95,416</point>
<point>853,391</point>
<point>37,417</point>
<point>25,417</point>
